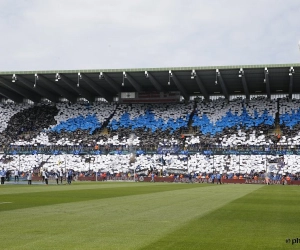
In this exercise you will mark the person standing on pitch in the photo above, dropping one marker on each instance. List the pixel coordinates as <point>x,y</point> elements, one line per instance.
<point>46,177</point>
<point>56,176</point>
<point>43,175</point>
<point>70,175</point>
<point>152,176</point>
<point>213,178</point>
<point>16,175</point>
<point>61,175</point>
<point>219,178</point>
<point>67,177</point>
<point>29,177</point>
<point>2,175</point>
<point>190,178</point>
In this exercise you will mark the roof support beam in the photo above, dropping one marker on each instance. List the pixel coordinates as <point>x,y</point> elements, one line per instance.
<point>112,83</point>
<point>154,82</point>
<point>244,82</point>
<point>58,89</point>
<point>267,83</point>
<point>38,89</point>
<point>84,93</point>
<point>134,83</point>
<point>201,86</point>
<point>222,84</point>
<point>11,95</point>
<point>98,89</point>
<point>21,91</point>
<point>180,87</point>
<point>245,86</point>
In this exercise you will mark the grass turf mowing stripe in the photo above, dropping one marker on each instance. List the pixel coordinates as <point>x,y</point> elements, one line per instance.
<point>94,192</point>
<point>128,222</point>
<point>267,218</point>
<point>34,188</point>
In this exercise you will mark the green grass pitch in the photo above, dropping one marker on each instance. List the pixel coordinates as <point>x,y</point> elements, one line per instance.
<point>149,216</point>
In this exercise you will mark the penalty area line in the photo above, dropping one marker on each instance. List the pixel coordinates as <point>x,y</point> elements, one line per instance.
<point>5,202</point>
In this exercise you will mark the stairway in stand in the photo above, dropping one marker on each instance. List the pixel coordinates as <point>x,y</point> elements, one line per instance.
<point>104,131</point>
<point>277,130</point>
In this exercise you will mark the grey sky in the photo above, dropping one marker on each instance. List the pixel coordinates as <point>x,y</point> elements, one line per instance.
<point>103,34</point>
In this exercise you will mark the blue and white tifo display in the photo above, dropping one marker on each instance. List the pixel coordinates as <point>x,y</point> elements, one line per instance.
<point>135,128</point>
<point>147,121</point>
<point>171,119</point>
<point>160,124</point>
<point>89,122</point>
<point>232,120</point>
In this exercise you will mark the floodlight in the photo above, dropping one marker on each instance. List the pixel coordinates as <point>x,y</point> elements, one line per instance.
<point>101,76</point>
<point>14,78</point>
<point>170,75</point>
<point>292,71</point>
<point>266,71</point>
<point>193,74</point>
<point>57,77</point>
<point>241,72</point>
<point>36,77</point>
<point>78,79</point>
<point>217,74</point>
<point>124,77</point>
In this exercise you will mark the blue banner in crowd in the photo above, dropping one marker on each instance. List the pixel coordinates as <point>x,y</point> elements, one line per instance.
<point>168,150</point>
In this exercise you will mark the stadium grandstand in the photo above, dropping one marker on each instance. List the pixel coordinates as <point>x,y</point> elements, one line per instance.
<point>239,121</point>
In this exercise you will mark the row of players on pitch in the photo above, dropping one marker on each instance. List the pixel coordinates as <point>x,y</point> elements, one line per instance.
<point>58,176</point>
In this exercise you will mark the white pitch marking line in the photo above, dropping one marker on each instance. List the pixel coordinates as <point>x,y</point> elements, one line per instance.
<point>4,202</point>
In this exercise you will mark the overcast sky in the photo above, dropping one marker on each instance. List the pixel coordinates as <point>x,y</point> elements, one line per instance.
<point>106,34</point>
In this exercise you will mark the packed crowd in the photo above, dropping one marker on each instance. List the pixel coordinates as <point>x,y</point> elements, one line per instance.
<point>167,131</point>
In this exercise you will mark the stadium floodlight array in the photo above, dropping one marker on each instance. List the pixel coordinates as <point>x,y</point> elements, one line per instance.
<point>124,77</point>
<point>170,76</point>
<point>241,72</point>
<point>36,78</point>
<point>57,77</point>
<point>78,79</point>
<point>193,74</point>
<point>266,73</point>
<point>292,71</point>
<point>217,75</point>
<point>101,76</point>
<point>14,78</point>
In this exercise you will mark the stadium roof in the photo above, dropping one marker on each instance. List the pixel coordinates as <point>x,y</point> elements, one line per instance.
<point>107,83</point>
